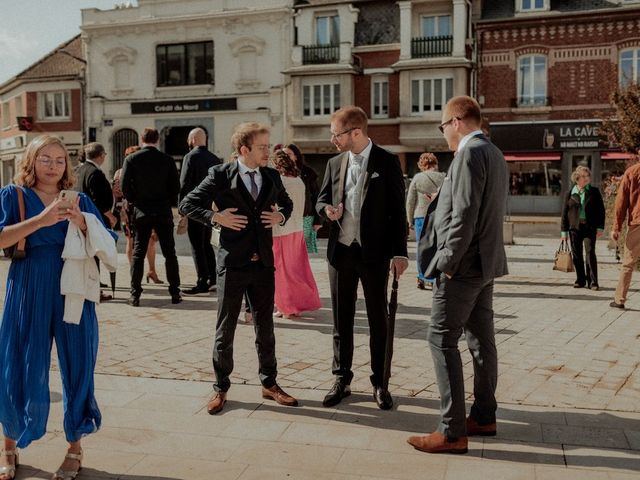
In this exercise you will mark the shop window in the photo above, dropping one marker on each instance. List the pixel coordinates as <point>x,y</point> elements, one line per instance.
<point>184,64</point>
<point>380,97</point>
<point>629,66</point>
<point>430,94</point>
<point>436,26</point>
<point>327,30</point>
<point>535,178</point>
<point>532,80</point>
<point>55,105</point>
<point>320,99</point>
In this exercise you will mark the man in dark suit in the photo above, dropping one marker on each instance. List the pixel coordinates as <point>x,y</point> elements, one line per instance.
<point>250,199</point>
<point>93,182</point>
<point>363,197</point>
<point>195,166</point>
<point>469,254</point>
<point>151,184</point>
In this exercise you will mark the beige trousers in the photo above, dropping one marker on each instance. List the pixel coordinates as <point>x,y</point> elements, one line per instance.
<point>629,262</point>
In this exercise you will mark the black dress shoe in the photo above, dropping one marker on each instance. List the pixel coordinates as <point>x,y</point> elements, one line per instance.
<point>614,304</point>
<point>382,398</point>
<point>338,391</point>
<point>578,285</point>
<point>133,301</point>
<point>595,287</point>
<point>176,299</point>
<point>196,290</point>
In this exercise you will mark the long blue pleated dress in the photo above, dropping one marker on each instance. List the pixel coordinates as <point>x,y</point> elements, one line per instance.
<point>31,320</point>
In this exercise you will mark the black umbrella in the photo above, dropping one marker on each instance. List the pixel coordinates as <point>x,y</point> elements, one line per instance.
<point>112,276</point>
<point>391,326</point>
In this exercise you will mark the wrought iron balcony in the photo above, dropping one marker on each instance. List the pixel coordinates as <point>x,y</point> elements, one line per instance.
<point>318,54</point>
<point>425,47</point>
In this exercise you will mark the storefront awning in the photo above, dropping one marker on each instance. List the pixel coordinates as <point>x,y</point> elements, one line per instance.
<point>616,155</point>
<point>532,157</point>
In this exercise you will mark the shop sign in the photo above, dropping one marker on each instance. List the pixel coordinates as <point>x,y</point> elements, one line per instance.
<point>184,106</point>
<point>533,137</point>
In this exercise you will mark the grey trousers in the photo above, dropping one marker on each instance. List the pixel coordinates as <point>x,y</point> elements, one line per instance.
<point>463,304</point>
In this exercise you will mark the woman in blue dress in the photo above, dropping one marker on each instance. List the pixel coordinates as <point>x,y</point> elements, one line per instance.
<point>33,312</point>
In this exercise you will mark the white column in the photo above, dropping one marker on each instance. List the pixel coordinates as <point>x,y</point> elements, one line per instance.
<point>459,27</point>
<point>405,29</point>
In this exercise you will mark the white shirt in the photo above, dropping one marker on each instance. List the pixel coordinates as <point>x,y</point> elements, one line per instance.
<point>246,179</point>
<point>92,162</point>
<point>350,221</point>
<point>468,137</point>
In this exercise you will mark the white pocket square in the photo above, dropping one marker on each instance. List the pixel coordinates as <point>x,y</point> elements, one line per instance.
<point>374,175</point>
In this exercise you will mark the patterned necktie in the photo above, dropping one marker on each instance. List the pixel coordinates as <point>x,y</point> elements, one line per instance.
<point>356,168</point>
<point>254,185</point>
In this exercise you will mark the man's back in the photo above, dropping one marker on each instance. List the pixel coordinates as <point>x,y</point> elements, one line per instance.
<point>195,166</point>
<point>628,198</point>
<point>93,182</point>
<point>150,182</point>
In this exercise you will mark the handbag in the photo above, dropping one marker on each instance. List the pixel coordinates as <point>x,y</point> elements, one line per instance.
<point>17,251</point>
<point>563,261</point>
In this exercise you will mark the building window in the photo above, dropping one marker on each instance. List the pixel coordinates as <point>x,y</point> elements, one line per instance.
<point>380,98</point>
<point>430,94</point>
<point>532,80</point>
<point>439,26</point>
<point>185,64</point>
<point>629,67</point>
<point>17,107</point>
<point>55,105</point>
<point>6,119</point>
<point>327,30</point>
<point>320,100</point>
<point>535,178</point>
<point>531,5</point>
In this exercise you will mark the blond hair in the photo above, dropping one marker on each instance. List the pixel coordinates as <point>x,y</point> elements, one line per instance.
<point>427,160</point>
<point>578,172</point>
<point>26,175</point>
<point>464,107</point>
<point>245,133</point>
<point>351,117</point>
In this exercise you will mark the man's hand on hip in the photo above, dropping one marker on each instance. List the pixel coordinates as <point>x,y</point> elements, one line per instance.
<point>228,219</point>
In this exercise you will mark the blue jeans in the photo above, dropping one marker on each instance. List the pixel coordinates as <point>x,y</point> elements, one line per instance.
<point>418,224</point>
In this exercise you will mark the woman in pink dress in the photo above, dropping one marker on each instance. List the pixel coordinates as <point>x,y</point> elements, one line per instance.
<point>296,289</point>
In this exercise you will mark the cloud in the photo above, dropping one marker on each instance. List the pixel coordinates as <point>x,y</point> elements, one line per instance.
<point>17,52</point>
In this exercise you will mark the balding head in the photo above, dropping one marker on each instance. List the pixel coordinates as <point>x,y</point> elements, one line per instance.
<point>197,137</point>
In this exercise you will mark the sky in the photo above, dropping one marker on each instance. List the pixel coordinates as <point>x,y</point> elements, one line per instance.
<point>29,29</point>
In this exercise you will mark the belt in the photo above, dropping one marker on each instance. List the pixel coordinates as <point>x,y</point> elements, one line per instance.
<point>255,257</point>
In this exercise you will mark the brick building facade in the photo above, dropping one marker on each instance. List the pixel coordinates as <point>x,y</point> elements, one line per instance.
<point>47,97</point>
<point>545,76</point>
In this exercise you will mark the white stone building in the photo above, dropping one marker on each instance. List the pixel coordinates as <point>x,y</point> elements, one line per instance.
<point>177,64</point>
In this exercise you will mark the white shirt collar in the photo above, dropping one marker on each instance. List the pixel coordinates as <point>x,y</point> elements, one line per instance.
<point>364,153</point>
<point>244,169</point>
<point>91,162</point>
<point>468,137</point>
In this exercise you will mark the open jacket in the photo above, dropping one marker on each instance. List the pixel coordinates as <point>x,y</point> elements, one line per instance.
<point>593,209</point>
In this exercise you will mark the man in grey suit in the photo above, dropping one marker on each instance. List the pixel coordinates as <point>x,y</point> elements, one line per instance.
<point>468,255</point>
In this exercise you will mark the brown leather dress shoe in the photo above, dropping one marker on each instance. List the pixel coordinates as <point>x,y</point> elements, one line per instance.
<point>279,395</point>
<point>216,404</point>
<point>475,429</point>
<point>437,442</point>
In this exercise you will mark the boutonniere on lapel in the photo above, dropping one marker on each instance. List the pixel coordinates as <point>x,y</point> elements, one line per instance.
<point>374,175</point>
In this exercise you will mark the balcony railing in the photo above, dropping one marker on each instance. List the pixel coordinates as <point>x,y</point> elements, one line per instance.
<point>530,101</point>
<point>424,47</point>
<point>318,54</point>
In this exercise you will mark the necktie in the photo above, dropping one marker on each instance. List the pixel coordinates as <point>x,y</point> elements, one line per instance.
<point>254,185</point>
<point>356,168</point>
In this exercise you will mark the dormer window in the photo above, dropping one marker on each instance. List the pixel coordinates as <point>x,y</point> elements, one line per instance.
<point>532,5</point>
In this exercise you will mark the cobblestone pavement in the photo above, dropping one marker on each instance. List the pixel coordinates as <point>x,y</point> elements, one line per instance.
<point>557,346</point>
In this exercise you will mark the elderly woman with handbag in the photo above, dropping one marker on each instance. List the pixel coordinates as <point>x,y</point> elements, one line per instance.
<point>34,309</point>
<point>583,216</point>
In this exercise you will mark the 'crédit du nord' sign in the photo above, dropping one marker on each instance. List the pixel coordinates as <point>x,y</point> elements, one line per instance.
<point>184,106</point>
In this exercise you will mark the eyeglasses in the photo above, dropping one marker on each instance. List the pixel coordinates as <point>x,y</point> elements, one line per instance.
<point>442,126</point>
<point>48,161</point>
<point>338,135</point>
<point>264,148</point>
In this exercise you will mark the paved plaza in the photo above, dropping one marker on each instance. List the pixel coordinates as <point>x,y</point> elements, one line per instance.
<point>569,388</point>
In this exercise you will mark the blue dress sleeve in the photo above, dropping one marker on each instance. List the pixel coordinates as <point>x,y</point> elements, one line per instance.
<point>9,212</point>
<point>87,205</point>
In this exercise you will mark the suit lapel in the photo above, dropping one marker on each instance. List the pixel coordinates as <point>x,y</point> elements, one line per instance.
<point>371,168</point>
<point>267,184</point>
<point>342,177</point>
<point>238,185</point>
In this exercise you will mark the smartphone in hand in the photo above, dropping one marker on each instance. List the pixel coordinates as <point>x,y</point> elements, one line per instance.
<point>68,197</point>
